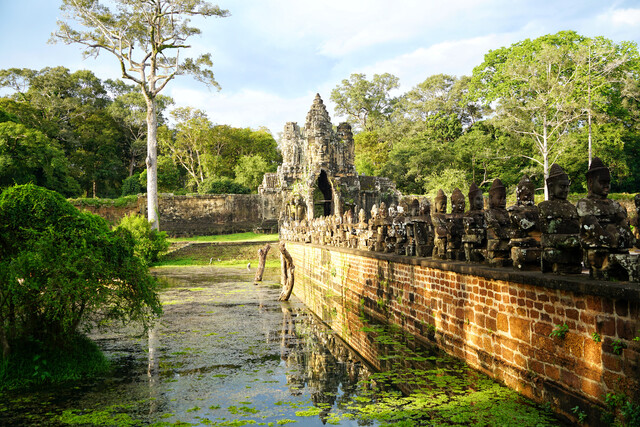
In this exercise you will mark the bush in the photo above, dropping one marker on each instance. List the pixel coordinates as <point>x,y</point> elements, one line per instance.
<point>149,243</point>
<point>222,186</point>
<point>61,268</point>
<point>31,363</point>
<point>131,185</point>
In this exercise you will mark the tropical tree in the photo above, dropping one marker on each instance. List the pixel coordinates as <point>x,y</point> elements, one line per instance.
<point>62,269</point>
<point>608,68</point>
<point>368,104</point>
<point>129,109</point>
<point>250,170</point>
<point>28,156</point>
<point>189,144</point>
<point>146,37</point>
<point>536,84</point>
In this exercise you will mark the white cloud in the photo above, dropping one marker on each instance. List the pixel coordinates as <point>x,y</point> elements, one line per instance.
<point>457,57</point>
<point>339,28</point>
<point>627,17</point>
<point>246,108</point>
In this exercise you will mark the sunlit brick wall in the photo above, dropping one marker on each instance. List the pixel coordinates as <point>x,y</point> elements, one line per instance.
<point>498,320</point>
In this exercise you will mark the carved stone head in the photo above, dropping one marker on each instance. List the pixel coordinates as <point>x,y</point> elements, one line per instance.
<point>425,207</point>
<point>476,201</point>
<point>440,202</point>
<point>362,216</point>
<point>457,201</point>
<point>598,179</point>
<point>558,183</point>
<point>525,191</point>
<point>374,211</point>
<point>497,195</point>
<point>414,210</point>
<point>393,210</point>
<point>383,212</point>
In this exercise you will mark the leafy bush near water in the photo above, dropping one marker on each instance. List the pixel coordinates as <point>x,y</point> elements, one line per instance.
<point>149,243</point>
<point>61,268</point>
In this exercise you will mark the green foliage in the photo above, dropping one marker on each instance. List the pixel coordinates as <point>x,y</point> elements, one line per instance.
<point>61,267</point>
<point>617,346</point>
<point>560,331</point>
<point>222,186</point>
<point>149,243</point>
<point>596,337</point>
<point>623,411</point>
<point>131,200</point>
<point>582,416</point>
<point>31,363</point>
<point>28,156</point>
<point>367,103</point>
<point>131,185</point>
<point>250,170</point>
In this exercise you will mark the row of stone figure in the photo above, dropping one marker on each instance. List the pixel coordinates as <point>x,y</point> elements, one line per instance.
<point>554,236</point>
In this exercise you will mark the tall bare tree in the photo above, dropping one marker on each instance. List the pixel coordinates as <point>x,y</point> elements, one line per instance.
<point>146,37</point>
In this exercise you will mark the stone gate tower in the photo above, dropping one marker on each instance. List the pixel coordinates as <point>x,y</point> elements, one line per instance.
<point>318,175</point>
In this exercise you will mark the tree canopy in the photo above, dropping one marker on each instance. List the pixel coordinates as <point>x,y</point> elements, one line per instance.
<point>61,268</point>
<point>146,38</point>
<point>526,106</point>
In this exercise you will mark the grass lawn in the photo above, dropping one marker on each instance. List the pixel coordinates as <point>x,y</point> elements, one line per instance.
<point>237,237</point>
<point>237,256</point>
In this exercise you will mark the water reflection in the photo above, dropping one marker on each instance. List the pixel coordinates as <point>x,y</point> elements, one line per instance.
<point>227,352</point>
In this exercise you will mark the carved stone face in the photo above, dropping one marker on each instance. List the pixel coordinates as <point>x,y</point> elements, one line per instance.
<point>476,203</point>
<point>425,208</point>
<point>457,205</point>
<point>498,198</point>
<point>393,212</point>
<point>637,201</point>
<point>441,205</point>
<point>559,188</point>
<point>383,212</point>
<point>524,196</point>
<point>599,185</point>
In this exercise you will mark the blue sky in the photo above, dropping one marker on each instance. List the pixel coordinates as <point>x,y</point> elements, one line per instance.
<point>272,56</point>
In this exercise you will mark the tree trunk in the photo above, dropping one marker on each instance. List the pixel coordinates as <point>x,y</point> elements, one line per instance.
<point>286,273</point>
<point>545,165</point>
<point>4,341</point>
<point>262,255</point>
<point>152,164</point>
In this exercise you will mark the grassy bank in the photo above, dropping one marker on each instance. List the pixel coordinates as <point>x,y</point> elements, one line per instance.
<point>242,252</point>
<point>237,237</point>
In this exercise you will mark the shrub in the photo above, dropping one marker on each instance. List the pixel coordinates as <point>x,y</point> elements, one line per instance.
<point>61,268</point>
<point>149,243</point>
<point>131,185</point>
<point>222,186</point>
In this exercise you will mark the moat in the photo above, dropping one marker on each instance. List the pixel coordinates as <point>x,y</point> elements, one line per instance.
<point>226,352</point>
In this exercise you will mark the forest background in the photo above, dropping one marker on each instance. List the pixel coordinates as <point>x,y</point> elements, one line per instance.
<point>526,106</point>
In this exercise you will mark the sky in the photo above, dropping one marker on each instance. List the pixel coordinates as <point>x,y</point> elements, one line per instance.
<point>271,57</point>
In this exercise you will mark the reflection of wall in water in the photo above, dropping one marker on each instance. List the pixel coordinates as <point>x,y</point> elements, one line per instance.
<point>317,359</point>
<point>498,322</point>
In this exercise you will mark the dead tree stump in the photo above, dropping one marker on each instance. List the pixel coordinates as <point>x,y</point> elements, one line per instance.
<point>286,273</point>
<point>262,257</point>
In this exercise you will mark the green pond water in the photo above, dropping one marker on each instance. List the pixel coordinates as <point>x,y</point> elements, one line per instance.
<point>227,353</point>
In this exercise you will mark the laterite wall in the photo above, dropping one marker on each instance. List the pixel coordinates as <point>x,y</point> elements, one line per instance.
<point>196,215</point>
<point>498,320</point>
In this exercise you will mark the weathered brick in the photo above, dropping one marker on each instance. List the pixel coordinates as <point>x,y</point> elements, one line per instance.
<point>502,322</point>
<point>611,362</point>
<point>607,306</point>
<point>552,371</point>
<point>570,379</point>
<point>622,307</point>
